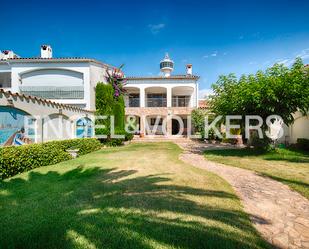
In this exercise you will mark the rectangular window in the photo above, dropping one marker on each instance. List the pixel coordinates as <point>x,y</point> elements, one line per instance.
<point>5,79</point>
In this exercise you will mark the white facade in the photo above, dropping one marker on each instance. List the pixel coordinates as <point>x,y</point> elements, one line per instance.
<point>63,80</point>
<point>171,87</point>
<point>169,99</point>
<point>52,121</point>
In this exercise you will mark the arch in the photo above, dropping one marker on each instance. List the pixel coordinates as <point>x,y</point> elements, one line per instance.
<point>156,96</point>
<point>155,124</point>
<point>133,123</point>
<point>132,96</point>
<point>51,77</point>
<point>182,96</point>
<point>155,89</point>
<point>84,127</point>
<point>132,89</point>
<point>56,126</point>
<point>17,127</point>
<point>178,90</point>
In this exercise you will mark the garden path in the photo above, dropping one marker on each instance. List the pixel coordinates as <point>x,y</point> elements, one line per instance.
<point>278,213</point>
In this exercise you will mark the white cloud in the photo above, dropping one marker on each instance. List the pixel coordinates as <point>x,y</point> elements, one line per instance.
<point>304,54</point>
<point>286,62</point>
<point>204,93</point>
<point>214,54</point>
<point>156,28</point>
<point>252,62</point>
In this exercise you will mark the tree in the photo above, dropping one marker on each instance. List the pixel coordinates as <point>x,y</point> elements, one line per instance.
<point>110,102</point>
<point>104,107</point>
<point>279,90</point>
<point>198,119</point>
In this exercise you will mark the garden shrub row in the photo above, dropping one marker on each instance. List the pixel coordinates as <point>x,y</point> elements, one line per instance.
<point>17,159</point>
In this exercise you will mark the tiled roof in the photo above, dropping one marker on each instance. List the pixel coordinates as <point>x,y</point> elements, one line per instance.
<point>59,105</point>
<point>203,104</point>
<point>59,59</point>
<point>172,77</point>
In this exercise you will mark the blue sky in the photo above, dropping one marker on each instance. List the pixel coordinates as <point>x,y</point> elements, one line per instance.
<point>217,37</point>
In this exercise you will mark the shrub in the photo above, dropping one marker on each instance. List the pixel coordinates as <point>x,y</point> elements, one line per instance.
<point>108,105</point>
<point>303,143</point>
<point>17,159</point>
<point>119,113</point>
<point>260,143</point>
<point>128,136</point>
<point>109,141</point>
<point>104,106</point>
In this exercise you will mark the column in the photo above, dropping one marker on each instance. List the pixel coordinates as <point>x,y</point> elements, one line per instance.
<point>142,125</point>
<point>39,130</point>
<point>169,125</point>
<point>169,96</point>
<point>142,97</point>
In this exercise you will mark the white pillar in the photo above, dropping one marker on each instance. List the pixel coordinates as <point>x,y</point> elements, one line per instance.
<point>169,96</point>
<point>87,86</point>
<point>142,97</point>
<point>195,103</point>
<point>39,130</point>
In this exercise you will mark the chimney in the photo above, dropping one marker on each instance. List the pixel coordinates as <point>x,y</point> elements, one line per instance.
<point>189,69</point>
<point>46,51</point>
<point>8,54</point>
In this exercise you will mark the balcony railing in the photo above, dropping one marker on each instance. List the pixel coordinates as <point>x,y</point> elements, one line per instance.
<point>181,101</point>
<point>132,102</point>
<point>54,92</point>
<point>156,102</point>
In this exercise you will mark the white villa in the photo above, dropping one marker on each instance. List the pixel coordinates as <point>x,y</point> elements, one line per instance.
<point>162,100</point>
<point>58,93</point>
<point>64,80</point>
<point>61,88</point>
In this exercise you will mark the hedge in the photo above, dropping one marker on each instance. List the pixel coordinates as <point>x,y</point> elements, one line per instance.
<point>108,105</point>
<point>17,159</point>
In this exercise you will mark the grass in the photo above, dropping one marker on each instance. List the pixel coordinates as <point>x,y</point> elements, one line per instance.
<point>138,196</point>
<point>288,166</point>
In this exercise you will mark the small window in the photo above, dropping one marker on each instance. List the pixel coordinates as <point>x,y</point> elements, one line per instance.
<point>5,79</point>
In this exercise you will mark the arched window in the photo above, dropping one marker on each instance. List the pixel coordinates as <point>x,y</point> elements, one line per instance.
<point>84,128</point>
<point>16,127</point>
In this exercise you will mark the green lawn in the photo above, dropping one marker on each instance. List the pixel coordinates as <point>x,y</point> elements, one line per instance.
<point>138,196</point>
<point>288,166</point>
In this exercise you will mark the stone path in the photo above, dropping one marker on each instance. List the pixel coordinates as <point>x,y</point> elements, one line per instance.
<point>278,213</point>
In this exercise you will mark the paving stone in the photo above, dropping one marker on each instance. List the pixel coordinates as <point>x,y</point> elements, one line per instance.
<point>278,213</point>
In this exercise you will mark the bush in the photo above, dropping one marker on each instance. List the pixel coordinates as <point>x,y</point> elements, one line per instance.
<point>119,113</point>
<point>17,159</point>
<point>263,144</point>
<point>303,143</point>
<point>104,106</point>
<point>128,136</point>
<point>109,141</point>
